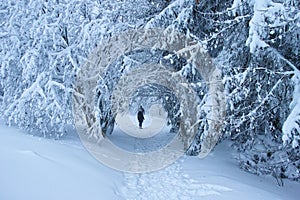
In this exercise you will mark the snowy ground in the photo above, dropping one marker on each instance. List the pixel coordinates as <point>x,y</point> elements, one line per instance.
<point>37,168</point>
<point>154,135</point>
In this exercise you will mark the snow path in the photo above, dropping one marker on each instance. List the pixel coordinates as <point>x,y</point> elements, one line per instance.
<point>155,122</point>
<point>164,184</point>
<point>154,135</point>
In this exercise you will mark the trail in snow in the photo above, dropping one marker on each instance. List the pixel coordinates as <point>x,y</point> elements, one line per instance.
<point>166,184</point>
<point>154,135</point>
<point>161,184</point>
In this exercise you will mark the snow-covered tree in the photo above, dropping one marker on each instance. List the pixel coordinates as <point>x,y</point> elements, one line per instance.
<point>43,44</point>
<point>256,43</point>
<point>258,67</point>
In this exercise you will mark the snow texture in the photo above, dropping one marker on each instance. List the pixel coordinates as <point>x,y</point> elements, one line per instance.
<point>36,168</point>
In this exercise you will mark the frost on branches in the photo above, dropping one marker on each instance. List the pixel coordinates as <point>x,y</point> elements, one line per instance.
<point>261,84</point>
<point>43,44</point>
<point>291,127</point>
<point>256,44</point>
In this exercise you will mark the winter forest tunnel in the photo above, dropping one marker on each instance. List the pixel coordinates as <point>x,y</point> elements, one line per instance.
<point>147,68</point>
<point>149,93</point>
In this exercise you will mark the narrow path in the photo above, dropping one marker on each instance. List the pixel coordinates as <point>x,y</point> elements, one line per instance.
<point>154,135</point>
<point>169,183</point>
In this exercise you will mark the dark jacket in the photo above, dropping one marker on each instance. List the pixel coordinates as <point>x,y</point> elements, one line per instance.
<point>140,116</point>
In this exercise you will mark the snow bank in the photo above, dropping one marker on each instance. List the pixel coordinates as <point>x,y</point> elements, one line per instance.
<point>35,168</point>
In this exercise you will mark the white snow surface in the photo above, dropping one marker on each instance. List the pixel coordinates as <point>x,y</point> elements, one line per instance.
<point>34,168</point>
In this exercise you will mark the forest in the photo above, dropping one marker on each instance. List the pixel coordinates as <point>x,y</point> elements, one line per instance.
<point>254,43</point>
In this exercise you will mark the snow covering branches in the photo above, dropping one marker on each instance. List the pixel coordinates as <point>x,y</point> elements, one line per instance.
<point>261,86</point>
<point>269,21</point>
<point>43,44</point>
<point>291,127</point>
<point>255,43</point>
<point>271,26</point>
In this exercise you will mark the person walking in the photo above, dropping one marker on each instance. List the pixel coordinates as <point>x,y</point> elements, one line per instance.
<point>140,116</point>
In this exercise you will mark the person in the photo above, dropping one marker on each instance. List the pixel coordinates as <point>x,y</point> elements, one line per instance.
<point>140,116</point>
